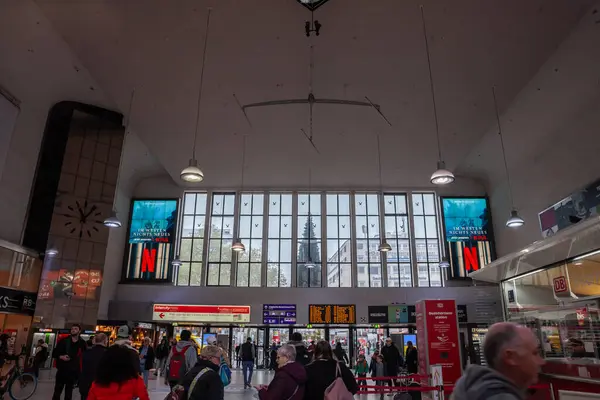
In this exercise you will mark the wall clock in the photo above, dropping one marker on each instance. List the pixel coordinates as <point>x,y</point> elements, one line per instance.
<point>84,218</point>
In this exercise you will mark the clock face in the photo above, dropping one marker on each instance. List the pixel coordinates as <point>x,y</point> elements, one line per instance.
<point>83,219</point>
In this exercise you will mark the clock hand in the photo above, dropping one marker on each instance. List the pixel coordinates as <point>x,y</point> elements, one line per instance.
<point>90,213</point>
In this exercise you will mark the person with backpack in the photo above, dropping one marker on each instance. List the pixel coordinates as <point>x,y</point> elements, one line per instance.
<point>202,381</point>
<point>323,373</point>
<point>248,355</point>
<point>182,358</point>
<point>68,353</point>
<point>40,357</point>
<point>124,339</point>
<point>302,355</point>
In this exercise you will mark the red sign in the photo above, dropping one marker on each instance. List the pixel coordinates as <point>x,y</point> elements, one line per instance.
<point>438,321</point>
<point>471,259</point>
<point>582,315</point>
<point>197,313</point>
<point>148,260</point>
<point>560,284</point>
<point>421,341</point>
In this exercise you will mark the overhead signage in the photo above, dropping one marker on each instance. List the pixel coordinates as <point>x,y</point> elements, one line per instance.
<point>378,314</point>
<point>279,314</point>
<point>577,207</point>
<point>332,314</point>
<point>468,231</point>
<point>437,331</point>
<point>198,313</point>
<point>17,301</point>
<point>151,240</point>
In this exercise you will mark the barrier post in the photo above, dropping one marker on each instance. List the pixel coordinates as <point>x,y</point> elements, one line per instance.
<point>437,381</point>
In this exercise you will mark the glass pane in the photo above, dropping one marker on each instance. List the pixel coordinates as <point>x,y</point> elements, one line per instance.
<point>228,209</point>
<point>362,250</point>
<point>332,227</point>
<point>225,276</point>
<point>286,204</point>
<point>189,203</point>
<point>201,203</point>
<point>256,250</point>
<point>374,253</point>
<point>344,204</point>
<point>285,254</point>
<point>183,276</point>
<point>286,227</point>
<point>405,275</point>
<point>273,250</point>
<point>375,270</point>
<point>188,227</point>
<point>196,274</point>
<point>401,204</point>
<point>435,275</point>
<point>344,227</point>
<point>228,227</point>
<point>215,250</point>
<point>272,275</point>
<point>226,250</point>
<point>402,227</point>
<point>315,204</point>
<point>361,227</point>
<point>274,227</point>
<point>419,227</point>
<point>423,275</point>
<point>373,226</point>
<point>431,227</point>
<point>429,203</point>
<point>333,254</point>
<point>372,204</point>
<point>258,204</point>
<point>332,206</point>
<point>417,200</point>
<point>274,204</point>
<point>255,275</point>
<point>197,249</point>
<point>245,222</point>
<point>345,275</point>
<point>257,227</point>
<point>393,276</point>
<point>199,222</point>
<point>242,275</point>
<point>360,205</point>
<point>217,206</point>
<point>362,275</point>
<point>303,206</point>
<point>216,228</point>
<point>433,251</point>
<point>213,275</point>
<point>421,247</point>
<point>285,275</point>
<point>185,250</point>
<point>389,206</point>
<point>333,275</point>
<point>246,204</point>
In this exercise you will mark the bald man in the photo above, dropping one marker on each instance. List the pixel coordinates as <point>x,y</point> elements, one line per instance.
<point>512,355</point>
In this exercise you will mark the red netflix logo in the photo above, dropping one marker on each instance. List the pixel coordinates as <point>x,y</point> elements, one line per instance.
<point>560,284</point>
<point>148,260</point>
<point>471,259</point>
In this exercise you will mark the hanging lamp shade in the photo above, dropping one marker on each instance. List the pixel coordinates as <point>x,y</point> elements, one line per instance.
<point>442,176</point>
<point>192,173</point>
<point>444,263</point>
<point>238,247</point>
<point>51,252</point>
<point>309,264</point>
<point>176,262</point>
<point>515,220</point>
<point>384,246</point>
<point>113,221</point>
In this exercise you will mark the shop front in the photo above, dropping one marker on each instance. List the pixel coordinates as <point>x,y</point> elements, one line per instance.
<point>553,287</point>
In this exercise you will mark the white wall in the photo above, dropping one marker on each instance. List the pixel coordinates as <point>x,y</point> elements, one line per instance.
<point>39,69</point>
<point>551,134</point>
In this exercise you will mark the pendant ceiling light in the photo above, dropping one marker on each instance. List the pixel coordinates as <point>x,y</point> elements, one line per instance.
<point>444,263</point>
<point>51,252</point>
<point>192,173</point>
<point>514,221</point>
<point>113,220</point>
<point>176,262</point>
<point>238,246</point>
<point>384,246</point>
<point>441,176</point>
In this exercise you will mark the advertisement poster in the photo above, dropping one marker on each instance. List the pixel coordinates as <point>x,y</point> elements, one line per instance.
<point>468,231</point>
<point>151,240</point>
<point>421,340</point>
<point>81,284</point>
<point>398,314</point>
<point>440,325</point>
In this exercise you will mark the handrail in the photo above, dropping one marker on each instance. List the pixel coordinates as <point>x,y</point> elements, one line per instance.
<point>571,378</point>
<point>19,249</point>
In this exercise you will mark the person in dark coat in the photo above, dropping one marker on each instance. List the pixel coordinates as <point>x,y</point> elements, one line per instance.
<point>393,360</point>
<point>289,380</point>
<point>273,357</point>
<point>209,385</point>
<point>412,358</point>
<point>302,355</point>
<point>146,359</point>
<point>40,357</point>
<point>91,360</point>
<point>68,354</point>
<point>162,353</point>
<point>340,353</point>
<point>322,371</point>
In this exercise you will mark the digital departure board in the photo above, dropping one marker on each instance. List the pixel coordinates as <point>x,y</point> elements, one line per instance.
<point>332,314</point>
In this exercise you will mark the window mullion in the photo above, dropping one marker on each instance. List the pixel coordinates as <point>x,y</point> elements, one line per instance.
<point>354,256</point>
<point>265,240</point>
<point>206,242</point>
<point>294,268</point>
<point>412,241</point>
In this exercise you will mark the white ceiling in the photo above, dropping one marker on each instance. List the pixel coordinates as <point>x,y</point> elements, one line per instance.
<point>258,50</point>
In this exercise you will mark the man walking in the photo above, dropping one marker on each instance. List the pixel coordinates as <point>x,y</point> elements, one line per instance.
<point>392,359</point>
<point>68,354</point>
<point>412,358</point>
<point>91,359</point>
<point>248,355</point>
<point>513,359</point>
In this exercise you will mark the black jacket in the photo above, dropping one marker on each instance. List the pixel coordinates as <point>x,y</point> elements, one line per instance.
<point>302,355</point>
<point>162,351</point>
<point>247,352</point>
<point>392,359</point>
<point>74,350</point>
<point>149,358</point>
<point>341,355</point>
<point>412,360</point>
<point>209,386</point>
<point>321,374</point>
<point>91,360</point>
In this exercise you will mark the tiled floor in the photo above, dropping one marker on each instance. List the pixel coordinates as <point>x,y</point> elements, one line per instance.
<point>158,391</point>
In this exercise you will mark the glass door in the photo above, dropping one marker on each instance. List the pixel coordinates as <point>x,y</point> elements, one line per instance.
<point>369,340</point>
<point>261,349</point>
<point>240,336</point>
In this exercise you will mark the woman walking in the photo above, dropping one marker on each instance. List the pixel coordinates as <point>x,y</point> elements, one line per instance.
<point>323,370</point>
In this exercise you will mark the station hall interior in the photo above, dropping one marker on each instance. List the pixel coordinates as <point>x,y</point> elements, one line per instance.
<point>252,169</point>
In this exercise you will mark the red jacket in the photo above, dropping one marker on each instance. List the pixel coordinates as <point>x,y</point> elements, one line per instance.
<point>131,389</point>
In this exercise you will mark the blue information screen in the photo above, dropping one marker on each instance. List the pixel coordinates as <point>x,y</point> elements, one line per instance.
<point>279,314</point>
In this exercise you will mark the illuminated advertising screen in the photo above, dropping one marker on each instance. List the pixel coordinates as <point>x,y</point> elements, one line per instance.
<point>200,313</point>
<point>151,240</point>
<point>468,231</point>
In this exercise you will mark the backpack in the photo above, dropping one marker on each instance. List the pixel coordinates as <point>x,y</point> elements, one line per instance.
<point>338,390</point>
<point>224,372</point>
<point>177,365</point>
<point>179,393</point>
<point>302,355</point>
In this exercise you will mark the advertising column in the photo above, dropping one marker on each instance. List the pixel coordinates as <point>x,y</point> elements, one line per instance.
<point>437,336</point>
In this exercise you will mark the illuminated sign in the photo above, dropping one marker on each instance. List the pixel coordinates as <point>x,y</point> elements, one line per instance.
<point>468,230</point>
<point>151,240</point>
<point>279,314</point>
<point>197,313</point>
<point>332,314</point>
